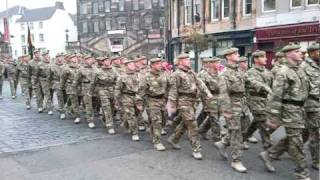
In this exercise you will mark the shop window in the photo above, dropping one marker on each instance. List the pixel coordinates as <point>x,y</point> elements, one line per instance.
<point>135,4</point>
<point>295,3</point>
<point>215,10</point>
<point>269,5</point>
<point>247,7</point>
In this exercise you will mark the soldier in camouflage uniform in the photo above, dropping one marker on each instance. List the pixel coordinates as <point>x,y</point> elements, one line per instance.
<point>25,79</point>
<point>152,92</point>
<point>232,94</point>
<point>105,80</point>
<point>85,78</point>
<point>11,69</point>
<point>2,69</point>
<point>312,105</point>
<point>125,92</point>
<point>45,81</point>
<point>36,87</point>
<point>210,76</point>
<point>67,80</point>
<point>185,86</point>
<point>278,62</point>
<point>258,84</point>
<point>286,105</point>
<point>55,76</point>
<point>142,70</point>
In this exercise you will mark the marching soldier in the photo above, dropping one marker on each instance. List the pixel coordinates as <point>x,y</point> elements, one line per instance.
<point>105,81</point>
<point>184,89</point>
<point>210,76</point>
<point>125,92</point>
<point>85,78</point>
<point>55,75</point>
<point>286,105</point>
<point>24,72</point>
<point>312,105</point>
<point>45,81</point>
<point>2,70</point>
<point>11,69</point>
<point>278,62</point>
<point>36,87</point>
<point>152,92</point>
<point>233,93</point>
<point>258,84</point>
<point>67,82</point>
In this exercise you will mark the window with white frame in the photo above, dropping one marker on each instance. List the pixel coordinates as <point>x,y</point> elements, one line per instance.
<point>295,3</point>
<point>96,26</point>
<point>121,5</point>
<point>22,26</point>
<point>135,4</point>
<point>215,7</point>
<point>197,10</point>
<point>31,25</point>
<point>83,8</point>
<point>108,24</point>
<point>41,37</point>
<point>225,8</point>
<point>23,38</point>
<point>147,4</point>
<point>162,3</point>
<point>107,6</point>
<point>313,2</point>
<point>84,27</point>
<point>188,11</point>
<point>247,7</point>
<point>269,5</point>
<point>40,25</point>
<point>95,8</point>
<point>101,6</point>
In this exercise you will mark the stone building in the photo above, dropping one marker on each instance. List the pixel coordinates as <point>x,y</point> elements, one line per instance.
<point>121,26</point>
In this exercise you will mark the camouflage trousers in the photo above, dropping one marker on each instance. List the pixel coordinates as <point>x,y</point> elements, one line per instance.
<point>202,116</point>
<point>87,100</point>
<point>293,144</point>
<point>72,100</point>
<point>13,85</point>
<point>313,135</point>
<point>36,89</point>
<point>186,115</point>
<point>129,113</point>
<point>46,90</point>
<point>265,133</point>
<point>107,109</point>
<point>155,120</point>
<point>1,84</point>
<point>211,122</point>
<point>26,86</point>
<point>61,99</point>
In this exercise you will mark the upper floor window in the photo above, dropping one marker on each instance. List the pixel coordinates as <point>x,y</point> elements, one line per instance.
<point>23,38</point>
<point>84,27</point>
<point>107,5</point>
<point>247,7</point>
<point>108,24</point>
<point>147,4</point>
<point>95,8</point>
<point>214,10</point>
<point>162,3</point>
<point>121,5</point>
<point>96,26</point>
<point>41,37</point>
<point>269,5</point>
<point>188,11</point>
<point>135,4</point>
<point>101,6</point>
<point>313,2</point>
<point>295,3</point>
<point>83,8</point>
<point>31,25</point>
<point>40,25</point>
<point>22,26</point>
<point>225,8</point>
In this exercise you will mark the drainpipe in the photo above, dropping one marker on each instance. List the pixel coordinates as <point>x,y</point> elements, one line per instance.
<point>204,16</point>
<point>234,14</point>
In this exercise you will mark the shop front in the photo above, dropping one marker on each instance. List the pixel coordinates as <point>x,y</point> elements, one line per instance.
<point>272,39</point>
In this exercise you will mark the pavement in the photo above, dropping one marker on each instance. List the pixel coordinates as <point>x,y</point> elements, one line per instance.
<point>37,146</point>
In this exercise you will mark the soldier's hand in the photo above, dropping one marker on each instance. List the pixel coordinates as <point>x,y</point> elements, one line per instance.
<point>171,108</point>
<point>227,114</point>
<point>116,105</point>
<point>272,123</point>
<point>140,107</point>
<point>269,90</point>
<point>210,96</point>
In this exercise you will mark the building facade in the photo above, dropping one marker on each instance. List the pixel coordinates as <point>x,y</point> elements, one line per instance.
<point>46,30</point>
<point>121,26</point>
<point>245,24</point>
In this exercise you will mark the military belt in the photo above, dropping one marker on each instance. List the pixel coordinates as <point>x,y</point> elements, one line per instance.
<point>86,82</point>
<point>214,92</point>
<point>130,93</point>
<point>258,94</point>
<point>292,102</point>
<point>313,97</point>
<point>187,94</point>
<point>236,94</point>
<point>160,96</point>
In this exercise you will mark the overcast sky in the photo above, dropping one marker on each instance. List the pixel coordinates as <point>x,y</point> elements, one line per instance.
<point>69,5</point>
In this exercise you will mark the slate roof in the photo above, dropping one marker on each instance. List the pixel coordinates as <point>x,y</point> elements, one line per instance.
<point>38,14</point>
<point>15,10</point>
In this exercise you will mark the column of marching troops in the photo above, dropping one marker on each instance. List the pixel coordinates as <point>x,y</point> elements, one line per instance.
<point>248,99</point>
